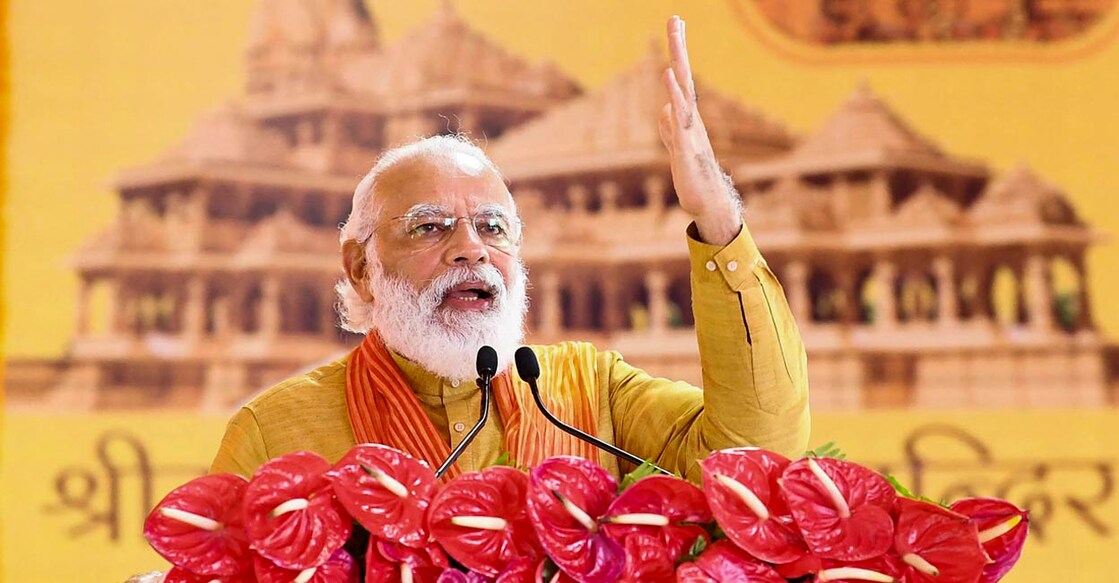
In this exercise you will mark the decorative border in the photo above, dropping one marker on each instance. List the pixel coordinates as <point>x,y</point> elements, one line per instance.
<point>758,26</point>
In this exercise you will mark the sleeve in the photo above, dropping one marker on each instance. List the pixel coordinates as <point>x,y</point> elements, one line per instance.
<point>755,382</point>
<point>242,448</point>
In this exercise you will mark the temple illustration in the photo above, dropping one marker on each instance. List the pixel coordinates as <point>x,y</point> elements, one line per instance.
<point>918,278</point>
<point>832,22</point>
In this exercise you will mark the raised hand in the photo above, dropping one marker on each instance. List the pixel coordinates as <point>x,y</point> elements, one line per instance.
<point>704,190</point>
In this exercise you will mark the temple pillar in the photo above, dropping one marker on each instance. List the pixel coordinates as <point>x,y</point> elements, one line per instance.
<point>580,316</point>
<point>1039,293</point>
<point>1085,312</point>
<point>849,309</point>
<point>194,309</point>
<point>947,312</point>
<point>81,310</point>
<point>551,311</point>
<point>270,306</point>
<point>655,188</point>
<point>656,285</point>
<point>885,304</point>
<point>800,298</point>
<point>223,316</point>
<point>879,194</point>
<point>577,197</point>
<point>608,192</point>
<point>841,191</point>
<point>613,319</point>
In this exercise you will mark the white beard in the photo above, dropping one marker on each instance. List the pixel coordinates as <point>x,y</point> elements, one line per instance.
<point>446,341</point>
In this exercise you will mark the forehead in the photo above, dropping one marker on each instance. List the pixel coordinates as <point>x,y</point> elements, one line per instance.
<point>461,183</point>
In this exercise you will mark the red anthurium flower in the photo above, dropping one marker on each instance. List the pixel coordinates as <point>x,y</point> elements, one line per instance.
<point>291,514</point>
<point>741,485</point>
<point>1002,530</point>
<point>481,520</point>
<point>841,509</point>
<point>937,545</point>
<point>389,562</point>
<point>181,575</point>
<point>805,565</point>
<point>520,571</point>
<point>387,491</point>
<point>567,496</point>
<point>339,568</point>
<point>725,562</point>
<point>198,526</point>
<point>663,514</point>
<point>456,576</point>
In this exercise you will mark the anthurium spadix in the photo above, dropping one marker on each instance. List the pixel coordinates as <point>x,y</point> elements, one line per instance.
<point>339,568</point>
<point>291,515</point>
<point>741,486</point>
<point>664,516</point>
<point>937,545</point>
<point>841,509</point>
<point>566,498</point>
<point>386,491</point>
<point>480,519</point>
<point>199,527</point>
<point>1002,528</point>
<point>389,562</point>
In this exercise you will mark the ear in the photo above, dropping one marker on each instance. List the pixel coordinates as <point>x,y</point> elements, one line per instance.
<point>355,264</point>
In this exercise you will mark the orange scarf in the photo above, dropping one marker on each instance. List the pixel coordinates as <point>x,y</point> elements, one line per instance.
<point>384,409</point>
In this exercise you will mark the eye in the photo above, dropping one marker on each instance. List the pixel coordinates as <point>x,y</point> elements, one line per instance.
<point>423,227</point>
<point>492,226</point>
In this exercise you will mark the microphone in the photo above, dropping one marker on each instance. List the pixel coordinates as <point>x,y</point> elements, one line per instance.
<point>486,366</point>
<point>529,369</point>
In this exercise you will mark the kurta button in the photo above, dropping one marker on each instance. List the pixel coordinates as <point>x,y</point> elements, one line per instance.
<point>732,266</point>
<point>711,266</point>
<point>460,426</point>
<point>455,383</point>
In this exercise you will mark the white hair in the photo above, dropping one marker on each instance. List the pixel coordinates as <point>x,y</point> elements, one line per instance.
<point>449,151</point>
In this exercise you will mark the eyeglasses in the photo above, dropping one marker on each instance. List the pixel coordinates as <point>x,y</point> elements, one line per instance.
<point>426,229</point>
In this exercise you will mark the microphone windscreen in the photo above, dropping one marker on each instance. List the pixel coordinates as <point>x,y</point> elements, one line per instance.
<point>487,362</point>
<point>527,365</point>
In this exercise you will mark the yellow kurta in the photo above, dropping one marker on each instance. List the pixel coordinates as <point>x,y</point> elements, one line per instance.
<point>755,387</point>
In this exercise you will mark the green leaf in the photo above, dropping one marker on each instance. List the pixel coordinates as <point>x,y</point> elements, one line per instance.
<point>644,470</point>
<point>506,459</point>
<point>904,492</point>
<point>694,551</point>
<point>829,449</point>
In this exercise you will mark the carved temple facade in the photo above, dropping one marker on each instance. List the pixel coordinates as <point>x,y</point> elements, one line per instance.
<point>876,21</point>
<point>917,278</point>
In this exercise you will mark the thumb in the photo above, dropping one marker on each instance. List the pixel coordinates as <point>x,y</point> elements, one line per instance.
<point>664,126</point>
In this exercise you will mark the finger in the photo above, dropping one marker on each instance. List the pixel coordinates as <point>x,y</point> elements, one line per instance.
<point>678,57</point>
<point>680,106</point>
<point>664,126</point>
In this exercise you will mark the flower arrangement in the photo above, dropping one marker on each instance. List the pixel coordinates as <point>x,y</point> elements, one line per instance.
<point>379,514</point>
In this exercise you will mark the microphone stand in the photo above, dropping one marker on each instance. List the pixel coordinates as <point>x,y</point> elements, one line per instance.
<point>484,385</point>
<point>582,436</point>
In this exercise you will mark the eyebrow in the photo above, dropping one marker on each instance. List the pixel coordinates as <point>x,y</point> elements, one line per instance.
<point>426,209</point>
<point>493,209</point>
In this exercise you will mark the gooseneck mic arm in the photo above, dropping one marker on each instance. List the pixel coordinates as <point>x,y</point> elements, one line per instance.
<point>487,369</point>
<point>529,369</point>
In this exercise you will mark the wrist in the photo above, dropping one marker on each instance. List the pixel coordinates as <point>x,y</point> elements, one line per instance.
<point>719,229</point>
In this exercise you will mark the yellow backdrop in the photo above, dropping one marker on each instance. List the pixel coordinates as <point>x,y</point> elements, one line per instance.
<point>99,85</point>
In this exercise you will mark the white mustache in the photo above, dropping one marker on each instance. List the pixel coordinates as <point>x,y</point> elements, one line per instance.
<point>487,274</point>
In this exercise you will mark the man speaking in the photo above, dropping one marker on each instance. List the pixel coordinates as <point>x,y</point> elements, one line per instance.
<point>431,254</point>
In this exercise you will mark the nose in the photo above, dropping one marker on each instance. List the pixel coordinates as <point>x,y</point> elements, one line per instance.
<point>465,247</point>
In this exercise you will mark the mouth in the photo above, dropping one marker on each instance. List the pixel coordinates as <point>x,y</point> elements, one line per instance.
<point>470,295</point>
